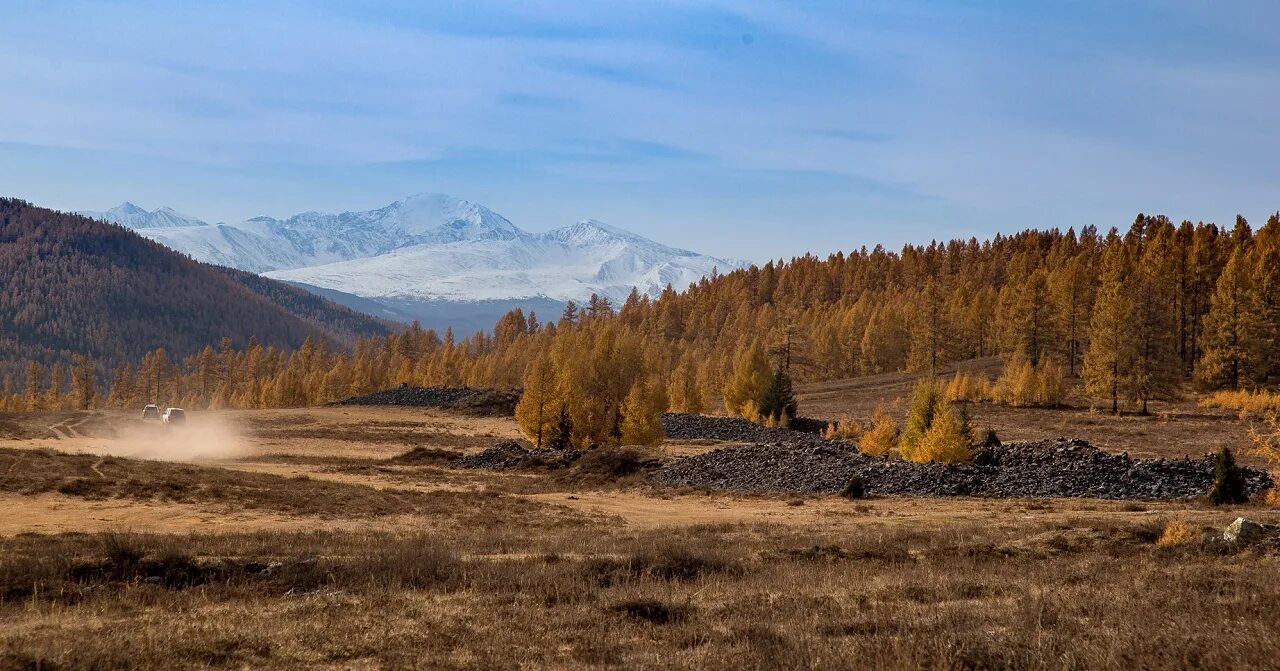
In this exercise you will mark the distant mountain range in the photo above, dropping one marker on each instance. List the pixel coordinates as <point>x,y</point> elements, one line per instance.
<point>73,285</point>
<point>432,257</point>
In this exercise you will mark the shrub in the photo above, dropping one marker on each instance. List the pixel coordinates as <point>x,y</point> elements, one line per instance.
<point>1177,533</point>
<point>776,421</point>
<point>853,489</point>
<point>949,439</point>
<point>882,436</point>
<point>924,406</point>
<point>1228,480</point>
<point>1024,385</point>
<point>845,428</point>
<point>969,387</point>
<point>990,439</point>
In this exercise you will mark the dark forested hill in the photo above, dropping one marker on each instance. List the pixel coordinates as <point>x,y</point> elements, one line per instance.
<point>69,284</point>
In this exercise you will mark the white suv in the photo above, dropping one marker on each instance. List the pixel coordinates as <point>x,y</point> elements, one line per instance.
<point>174,416</point>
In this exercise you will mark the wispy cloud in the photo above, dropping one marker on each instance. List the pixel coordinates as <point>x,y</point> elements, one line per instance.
<point>909,120</point>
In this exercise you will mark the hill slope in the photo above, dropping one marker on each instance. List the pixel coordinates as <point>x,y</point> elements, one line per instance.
<point>71,284</point>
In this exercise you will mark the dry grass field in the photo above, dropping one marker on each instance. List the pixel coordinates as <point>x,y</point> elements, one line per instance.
<point>340,538</point>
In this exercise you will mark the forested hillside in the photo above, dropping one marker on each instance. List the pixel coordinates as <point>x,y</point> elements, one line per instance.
<point>1138,315</point>
<point>72,285</point>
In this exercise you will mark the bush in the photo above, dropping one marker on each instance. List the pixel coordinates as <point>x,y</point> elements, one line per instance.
<point>561,437</point>
<point>1177,533</point>
<point>969,387</point>
<point>990,439</point>
<point>925,404</point>
<point>853,489</point>
<point>1023,385</point>
<point>949,439</point>
<point>845,428</point>
<point>882,436</point>
<point>1228,480</point>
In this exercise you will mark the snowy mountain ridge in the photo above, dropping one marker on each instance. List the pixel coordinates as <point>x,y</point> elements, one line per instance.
<point>430,248</point>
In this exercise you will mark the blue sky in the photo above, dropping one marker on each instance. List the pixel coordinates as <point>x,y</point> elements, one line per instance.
<point>738,128</point>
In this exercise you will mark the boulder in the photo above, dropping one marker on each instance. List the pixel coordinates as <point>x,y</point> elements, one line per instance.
<point>1244,531</point>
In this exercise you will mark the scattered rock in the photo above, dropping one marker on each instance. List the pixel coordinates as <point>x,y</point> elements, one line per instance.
<point>1059,468</point>
<point>1244,531</point>
<point>469,400</point>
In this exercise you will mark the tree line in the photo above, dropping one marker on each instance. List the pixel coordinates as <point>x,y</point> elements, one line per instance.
<point>1137,314</point>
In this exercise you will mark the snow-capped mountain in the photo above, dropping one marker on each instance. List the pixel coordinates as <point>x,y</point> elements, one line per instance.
<point>431,250</point>
<point>263,244</point>
<point>130,215</point>
<point>566,264</point>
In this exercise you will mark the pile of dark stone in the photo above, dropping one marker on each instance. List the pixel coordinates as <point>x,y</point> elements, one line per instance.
<point>513,454</point>
<point>683,426</point>
<point>469,400</point>
<point>1047,468</point>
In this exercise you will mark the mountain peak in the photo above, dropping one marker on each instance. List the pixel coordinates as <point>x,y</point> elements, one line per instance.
<point>127,208</point>
<point>444,218</point>
<point>588,232</point>
<point>131,216</point>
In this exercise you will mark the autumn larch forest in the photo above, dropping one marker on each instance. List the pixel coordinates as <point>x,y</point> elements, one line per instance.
<point>1136,315</point>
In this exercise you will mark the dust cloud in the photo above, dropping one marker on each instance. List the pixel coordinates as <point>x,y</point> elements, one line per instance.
<point>204,437</point>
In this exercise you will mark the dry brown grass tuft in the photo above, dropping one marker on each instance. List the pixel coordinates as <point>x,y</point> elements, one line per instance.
<point>1178,532</point>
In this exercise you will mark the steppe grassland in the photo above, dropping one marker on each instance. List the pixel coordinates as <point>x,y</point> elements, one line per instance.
<point>313,544</point>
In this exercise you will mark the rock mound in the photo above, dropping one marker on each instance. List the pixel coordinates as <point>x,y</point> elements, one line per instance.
<point>1049,468</point>
<point>469,400</point>
<point>684,426</point>
<point>510,454</point>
